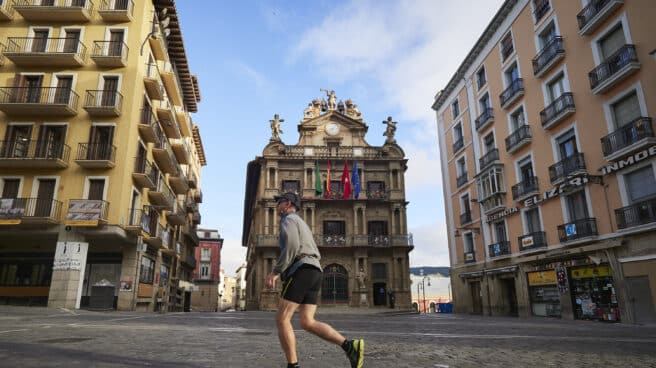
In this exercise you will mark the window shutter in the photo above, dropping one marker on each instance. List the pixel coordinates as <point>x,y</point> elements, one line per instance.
<point>626,110</point>
<point>641,184</point>
<point>613,42</point>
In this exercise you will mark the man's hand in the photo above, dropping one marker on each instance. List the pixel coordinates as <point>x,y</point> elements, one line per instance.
<point>270,281</point>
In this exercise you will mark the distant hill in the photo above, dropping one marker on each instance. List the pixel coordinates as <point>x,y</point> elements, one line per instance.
<point>444,271</point>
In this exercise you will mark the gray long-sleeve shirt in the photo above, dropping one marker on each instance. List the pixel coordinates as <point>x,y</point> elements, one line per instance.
<point>297,246</point>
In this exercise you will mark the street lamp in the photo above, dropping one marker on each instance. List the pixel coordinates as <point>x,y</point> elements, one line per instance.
<point>423,287</point>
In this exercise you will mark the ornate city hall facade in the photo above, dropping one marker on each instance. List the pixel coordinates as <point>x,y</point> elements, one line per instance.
<point>353,199</point>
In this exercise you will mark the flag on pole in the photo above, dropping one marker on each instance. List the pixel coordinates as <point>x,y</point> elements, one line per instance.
<point>346,182</point>
<point>318,187</point>
<point>328,181</point>
<point>355,180</point>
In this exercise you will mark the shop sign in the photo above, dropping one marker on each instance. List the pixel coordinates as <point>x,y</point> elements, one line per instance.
<point>84,212</point>
<point>500,215</point>
<point>527,241</point>
<point>556,191</point>
<point>70,256</point>
<point>11,211</point>
<point>542,278</point>
<point>629,161</point>
<point>590,272</point>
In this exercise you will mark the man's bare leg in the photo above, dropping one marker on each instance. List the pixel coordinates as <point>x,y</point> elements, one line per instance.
<point>323,330</point>
<point>285,330</point>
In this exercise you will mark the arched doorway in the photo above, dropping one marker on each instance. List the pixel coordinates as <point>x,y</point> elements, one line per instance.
<point>334,289</point>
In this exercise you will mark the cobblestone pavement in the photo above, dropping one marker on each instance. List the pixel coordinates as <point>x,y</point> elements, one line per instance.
<point>40,337</point>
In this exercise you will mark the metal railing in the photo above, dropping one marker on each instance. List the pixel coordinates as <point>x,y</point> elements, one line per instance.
<point>488,158</point>
<point>333,152</point>
<point>530,185</point>
<point>516,137</point>
<point>85,4</point>
<point>146,168</point>
<point>87,209</point>
<point>117,49</point>
<point>639,213</point>
<point>566,166</point>
<point>547,54</point>
<point>31,208</point>
<point>35,150</point>
<point>627,135</point>
<point>541,7</point>
<point>96,152</point>
<point>559,105</point>
<point>377,194</point>
<point>533,240</point>
<point>613,64</point>
<point>462,179</point>
<point>117,5</point>
<point>5,5</point>
<point>499,248</point>
<point>486,116</point>
<point>514,89</point>
<point>590,11</point>
<point>169,197</point>
<point>50,45</point>
<point>577,229</point>
<point>39,96</point>
<point>457,145</point>
<point>465,218</point>
<point>103,98</point>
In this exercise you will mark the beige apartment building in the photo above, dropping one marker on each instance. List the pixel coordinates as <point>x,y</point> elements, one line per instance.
<point>548,159</point>
<point>99,159</point>
<point>362,235</point>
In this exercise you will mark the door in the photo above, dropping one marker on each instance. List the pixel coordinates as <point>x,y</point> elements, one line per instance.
<point>44,197</point>
<point>96,189</point>
<point>510,296</point>
<point>51,142</point>
<point>63,90</point>
<point>40,40</point>
<point>115,42</point>
<point>377,231</point>
<point>110,87</point>
<point>500,231</point>
<point>334,288</point>
<point>476,297</point>
<point>140,166</point>
<point>100,143</point>
<point>567,145</point>
<point>380,293</point>
<point>71,41</point>
<point>640,299</point>
<point>10,188</point>
<point>134,204</point>
<point>32,91</point>
<point>17,141</point>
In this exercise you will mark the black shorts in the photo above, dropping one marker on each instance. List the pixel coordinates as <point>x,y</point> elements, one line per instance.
<point>303,286</point>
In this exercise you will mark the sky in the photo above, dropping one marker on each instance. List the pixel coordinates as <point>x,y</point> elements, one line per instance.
<point>255,59</point>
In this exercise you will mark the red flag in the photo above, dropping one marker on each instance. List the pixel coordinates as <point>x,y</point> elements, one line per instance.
<point>328,181</point>
<point>346,181</point>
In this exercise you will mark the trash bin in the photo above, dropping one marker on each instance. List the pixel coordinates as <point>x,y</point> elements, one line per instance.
<point>102,295</point>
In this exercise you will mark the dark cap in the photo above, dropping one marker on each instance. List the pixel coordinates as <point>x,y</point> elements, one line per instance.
<point>289,196</point>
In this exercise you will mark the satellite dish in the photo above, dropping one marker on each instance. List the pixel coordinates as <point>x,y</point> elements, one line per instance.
<point>165,22</point>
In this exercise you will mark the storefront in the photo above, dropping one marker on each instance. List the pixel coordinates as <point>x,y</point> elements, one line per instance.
<point>543,293</point>
<point>593,293</point>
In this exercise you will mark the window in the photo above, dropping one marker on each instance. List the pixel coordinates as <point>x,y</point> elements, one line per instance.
<point>10,188</point>
<point>488,142</point>
<point>204,270</point>
<point>72,40</point>
<point>100,142</point>
<point>640,184</point>
<point>40,40</point>
<point>484,102</point>
<point>567,144</point>
<point>455,109</point>
<point>163,275</point>
<point>517,119</point>
<point>51,141</point>
<point>147,270</point>
<point>547,35</point>
<point>507,47</point>
<point>376,189</point>
<point>457,133</point>
<point>464,203</point>
<point>469,243</point>
<point>612,42</point>
<point>481,79</point>
<point>512,74</point>
<point>532,219</point>
<point>626,110</point>
<point>500,231</point>
<point>379,271</point>
<point>461,167</point>
<point>490,183</point>
<point>205,254</point>
<point>96,189</point>
<point>526,169</point>
<point>577,206</point>
<point>334,228</point>
<point>116,41</point>
<point>377,228</point>
<point>556,87</point>
<point>540,8</point>
<point>293,186</point>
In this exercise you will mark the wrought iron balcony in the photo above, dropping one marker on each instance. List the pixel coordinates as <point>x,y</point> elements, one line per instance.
<point>198,196</point>
<point>379,240</point>
<point>632,136</point>
<point>488,158</point>
<point>149,128</point>
<point>30,211</point>
<point>195,218</point>
<point>568,166</point>
<point>461,180</point>
<point>578,229</point>
<point>103,103</point>
<point>332,152</point>
<point>116,10</point>
<point>34,154</point>
<point>558,110</point>
<point>193,182</point>
<point>499,249</point>
<point>179,183</point>
<point>376,194</point>
<point>332,240</point>
<point>525,188</point>
<point>457,145</point>
<point>164,157</point>
<point>511,94</point>
<point>470,257</point>
<point>180,150</point>
<point>593,15</point>
<point>162,197</point>
<point>55,10</point>
<point>184,119</point>
<point>112,54</point>
<point>138,220</point>
<point>190,261</point>
<point>154,234</point>
<point>486,117</point>
<point>549,56</point>
<point>172,82</point>
<point>36,51</point>
<point>87,212</point>
<point>145,175</point>
<point>96,155</point>
<point>614,69</point>
<point>636,214</point>
<point>157,42</point>
<point>494,203</point>
<point>6,10</point>
<point>168,120</point>
<point>42,101</point>
<point>465,218</point>
<point>534,240</point>
<point>541,8</point>
<point>518,139</point>
<point>178,216</point>
<point>153,83</point>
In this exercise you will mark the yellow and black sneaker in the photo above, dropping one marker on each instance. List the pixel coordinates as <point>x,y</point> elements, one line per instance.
<point>355,352</point>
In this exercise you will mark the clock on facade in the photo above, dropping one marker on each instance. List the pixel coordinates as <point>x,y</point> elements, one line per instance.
<point>332,129</point>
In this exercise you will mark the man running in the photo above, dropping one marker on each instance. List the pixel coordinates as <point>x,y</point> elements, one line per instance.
<point>301,274</point>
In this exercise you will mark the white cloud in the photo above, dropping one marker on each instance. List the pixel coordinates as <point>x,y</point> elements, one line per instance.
<point>431,245</point>
<point>232,255</point>
<point>263,86</point>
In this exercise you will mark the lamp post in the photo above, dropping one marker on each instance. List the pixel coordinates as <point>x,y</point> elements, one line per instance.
<point>423,287</point>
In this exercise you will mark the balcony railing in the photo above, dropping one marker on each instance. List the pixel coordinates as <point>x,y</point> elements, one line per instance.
<point>162,198</point>
<point>457,145</point>
<point>333,152</point>
<point>636,214</point>
<point>46,51</point>
<point>622,63</point>
<point>461,180</point>
<point>566,167</point>
<point>6,10</point>
<point>149,128</point>
<point>379,240</point>
<point>87,211</point>
<point>534,240</point>
<point>548,56</point>
<point>103,102</point>
<point>514,91</point>
<point>116,10</point>
<point>499,249</point>
<point>558,110</point>
<point>524,188</point>
<point>110,53</point>
<point>46,154</point>
<point>343,240</point>
<point>32,101</point>
<point>627,136</point>
<point>465,218</point>
<point>30,209</point>
<point>55,10</point>
<point>144,174</point>
<point>488,158</point>
<point>494,203</point>
<point>518,138</point>
<point>96,155</point>
<point>595,13</point>
<point>376,194</point>
<point>577,229</point>
<point>470,257</point>
<point>541,7</point>
<point>484,118</point>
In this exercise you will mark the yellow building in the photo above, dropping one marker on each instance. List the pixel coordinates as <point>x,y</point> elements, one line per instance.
<point>547,148</point>
<point>100,161</point>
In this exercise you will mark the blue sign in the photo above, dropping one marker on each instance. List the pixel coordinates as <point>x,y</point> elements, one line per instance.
<point>570,229</point>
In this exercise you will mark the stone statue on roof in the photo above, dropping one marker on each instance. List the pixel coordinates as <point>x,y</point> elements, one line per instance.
<point>391,129</point>
<point>276,130</point>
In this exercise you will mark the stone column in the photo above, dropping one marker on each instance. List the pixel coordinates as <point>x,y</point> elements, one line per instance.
<point>68,270</point>
<point>130,274</point>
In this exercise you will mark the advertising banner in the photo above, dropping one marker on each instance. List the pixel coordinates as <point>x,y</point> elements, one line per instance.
<point>11,211</point>
<point>542,278</point>
<point>84,212</point>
